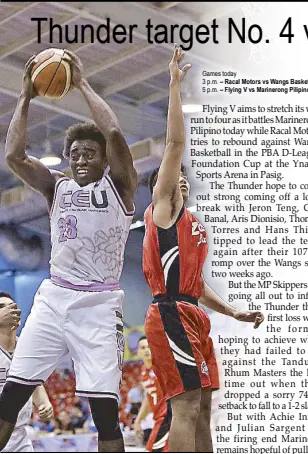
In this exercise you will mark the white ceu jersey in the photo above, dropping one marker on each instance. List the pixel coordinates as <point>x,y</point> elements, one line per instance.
<point>80,310</point>
<point>19,441</point>
<point>89,230</point>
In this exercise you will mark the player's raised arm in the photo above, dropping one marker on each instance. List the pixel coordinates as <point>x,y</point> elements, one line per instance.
<point>119,157</point>
<point>167,197</point>
<point>29,169</point>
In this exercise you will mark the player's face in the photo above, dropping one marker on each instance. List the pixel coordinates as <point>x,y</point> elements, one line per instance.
<point>86,161</point>
<point>144,351</point>
<point>184,186</point>
<point>5,301</point>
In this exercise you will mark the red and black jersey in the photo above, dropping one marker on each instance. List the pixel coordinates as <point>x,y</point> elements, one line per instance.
<point>173,257</point>
<point>154,392</point>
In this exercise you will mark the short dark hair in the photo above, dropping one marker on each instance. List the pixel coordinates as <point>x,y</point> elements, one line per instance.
<point>142,338</point>
<point>153,177</point>
<point>82,131</point>
<point>6,295</point>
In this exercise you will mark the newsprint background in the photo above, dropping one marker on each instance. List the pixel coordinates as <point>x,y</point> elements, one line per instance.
<point>252,190</point>
<point>247,158</point>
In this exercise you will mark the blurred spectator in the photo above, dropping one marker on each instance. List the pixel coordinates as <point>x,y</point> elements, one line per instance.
<point>83,405</point>
<point>65,425</point>
<point>89,424</point>
<point>37,425</point>
<point>72,413</point>
<point>52,425</point>
<point>77,418</point>
<point>134,399</point>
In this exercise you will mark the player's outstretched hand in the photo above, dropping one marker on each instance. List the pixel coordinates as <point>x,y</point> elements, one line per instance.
<point>45,412</point>
<point>27,85</point>
<point>177,74</point>
<point>250,316</point>
<point>76,66</point>
<point>10,316</point>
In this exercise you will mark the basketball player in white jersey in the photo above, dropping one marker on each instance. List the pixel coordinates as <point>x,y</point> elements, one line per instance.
<point>19,441</point>
<point>79,309</point>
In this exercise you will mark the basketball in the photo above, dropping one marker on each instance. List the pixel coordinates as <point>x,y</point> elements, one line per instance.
<point>51,75</point>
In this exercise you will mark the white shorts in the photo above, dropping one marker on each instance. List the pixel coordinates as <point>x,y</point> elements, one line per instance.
<point>86,325</point>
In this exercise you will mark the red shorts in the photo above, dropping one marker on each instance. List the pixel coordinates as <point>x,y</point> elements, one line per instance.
<point>183,355</point>
<point>159,439</point>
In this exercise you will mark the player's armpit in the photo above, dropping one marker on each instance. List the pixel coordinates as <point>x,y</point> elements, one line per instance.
<point>166,212</point>
<point>167,196</point>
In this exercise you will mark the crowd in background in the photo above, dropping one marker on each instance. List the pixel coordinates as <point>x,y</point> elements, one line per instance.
<point>72,413</point>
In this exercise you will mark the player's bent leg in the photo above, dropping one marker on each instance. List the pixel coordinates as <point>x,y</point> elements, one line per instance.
<point>105,413</point>
<point>203,429</point>
<point>185,412</point>
<point>13,397</point>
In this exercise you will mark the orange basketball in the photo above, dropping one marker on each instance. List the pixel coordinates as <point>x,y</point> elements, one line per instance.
<point>51,75</point>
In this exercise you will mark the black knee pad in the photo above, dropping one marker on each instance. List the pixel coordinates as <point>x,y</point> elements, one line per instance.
<point>12,399</point>
<point>105,413</point>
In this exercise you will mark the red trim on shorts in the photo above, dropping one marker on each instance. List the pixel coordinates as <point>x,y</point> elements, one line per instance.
<point>187,362</point>
<point>154,435</point>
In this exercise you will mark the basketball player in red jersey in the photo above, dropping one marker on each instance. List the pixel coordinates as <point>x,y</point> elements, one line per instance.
<point>174,251</point>
<point>154,401</point>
